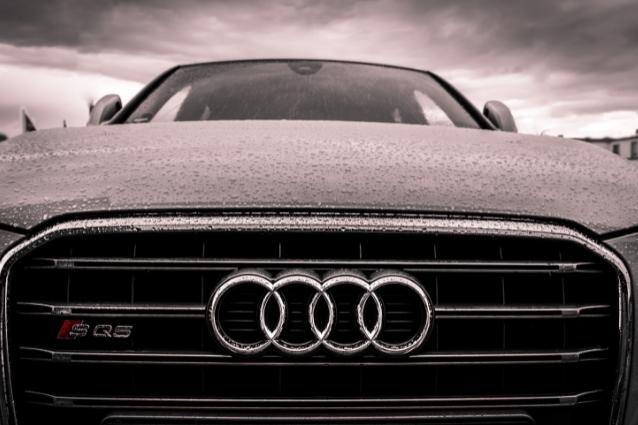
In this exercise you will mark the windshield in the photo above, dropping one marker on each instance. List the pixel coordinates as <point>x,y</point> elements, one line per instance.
<point>301,90</point>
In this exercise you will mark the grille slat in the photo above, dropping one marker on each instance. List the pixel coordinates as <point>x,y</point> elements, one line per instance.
<point>524,324</point>
<point>569,399</point>
<point>194,358</point>
<point>510,312</point>
<point>431,418</point>
<point>229,264</point>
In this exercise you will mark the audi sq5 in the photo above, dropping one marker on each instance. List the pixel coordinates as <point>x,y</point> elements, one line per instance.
<point>305,241</point>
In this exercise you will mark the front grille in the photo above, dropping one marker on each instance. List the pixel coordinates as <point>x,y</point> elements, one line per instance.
<point>525,331</point>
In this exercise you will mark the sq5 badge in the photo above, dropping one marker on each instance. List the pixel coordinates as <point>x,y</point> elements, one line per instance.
<point>75,329</point>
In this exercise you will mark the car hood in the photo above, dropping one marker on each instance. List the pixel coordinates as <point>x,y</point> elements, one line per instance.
<point>313,165</point>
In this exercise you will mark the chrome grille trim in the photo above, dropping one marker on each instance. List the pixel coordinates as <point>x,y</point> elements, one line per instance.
<point>331,222</point>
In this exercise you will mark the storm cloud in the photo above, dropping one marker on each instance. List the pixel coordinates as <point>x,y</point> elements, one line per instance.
<point>564,64</point>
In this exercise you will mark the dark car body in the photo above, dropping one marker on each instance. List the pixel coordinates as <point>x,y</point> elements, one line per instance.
<point>326,179</point>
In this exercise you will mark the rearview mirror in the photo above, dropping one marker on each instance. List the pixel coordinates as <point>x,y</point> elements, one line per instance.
<point>500,115</point>
<point>3,137</point>
<point>104,109</point>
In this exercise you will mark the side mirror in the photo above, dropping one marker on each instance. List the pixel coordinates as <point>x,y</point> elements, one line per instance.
<point>104,109</point>
<point>3,137</point>
<point>500,115</point>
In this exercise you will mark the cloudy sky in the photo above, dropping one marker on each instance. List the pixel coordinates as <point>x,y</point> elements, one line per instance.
<point>564,66</point>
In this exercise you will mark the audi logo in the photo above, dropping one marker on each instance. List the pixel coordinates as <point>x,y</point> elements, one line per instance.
<point>369,311</point>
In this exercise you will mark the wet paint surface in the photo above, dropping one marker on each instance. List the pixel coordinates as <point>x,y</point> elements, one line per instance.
<point>7,239</point>
<point>315,165</point>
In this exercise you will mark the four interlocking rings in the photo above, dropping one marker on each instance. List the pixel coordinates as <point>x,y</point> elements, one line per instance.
<point>321,333</point>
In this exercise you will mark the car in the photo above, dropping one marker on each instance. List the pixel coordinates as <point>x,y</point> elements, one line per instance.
<point>314,241</point>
